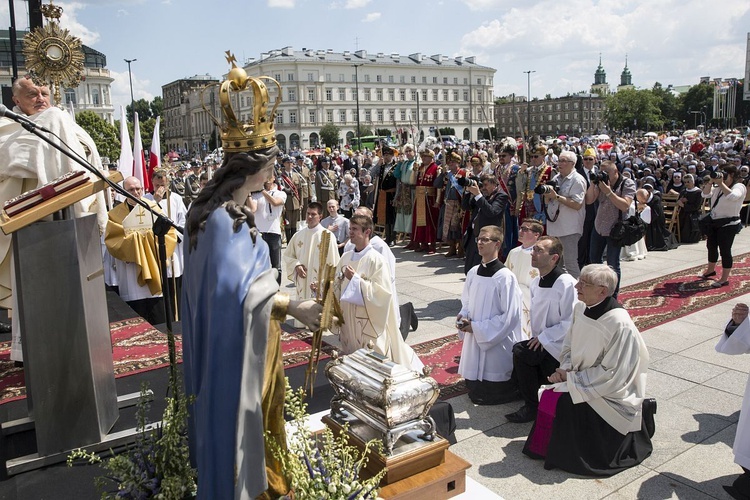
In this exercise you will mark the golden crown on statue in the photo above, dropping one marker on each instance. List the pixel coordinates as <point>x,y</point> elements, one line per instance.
<point>244,135</point>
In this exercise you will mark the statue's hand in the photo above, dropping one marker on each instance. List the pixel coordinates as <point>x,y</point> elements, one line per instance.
<point>308,311</point>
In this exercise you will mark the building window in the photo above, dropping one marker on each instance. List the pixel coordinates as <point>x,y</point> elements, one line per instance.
<point>329,116</point>
<point>342,94</point>
<point>445,115</point>
<point>445,79</point>
<point>367,94</point>
<point>367,78</point>
<point>402,79</point>
<point>342,116</point>
<point>424,95</point>
<point>479,95</point>
<point>354,77</point>
<point>425,115</point>
<point>379,94</point>
<point>310,94</point>
<point>434,79</point>
<point>380,115</point>
<point>479,81</point>
<point>328,77</point>
<point>312,116</point>
<point>292,117</point>
<point>354,93</point>
<point>392,115</point>
<point>310,77</point>
<point>403,115</point>
<point>549,118</point>
<point>402,95</point>
<point>368,115</point>
<point>434,95</point>
<point>292,95</point>
<point>390,78</point>
<point>413,79</point>
<point>379,78</point>
<point>277,77</point>
<point>424,79</point>
<point>565,106</point>
<point>455,114</point>
<point>391,95</point>
<point>435,114</point>
<point>414,95</point>
<point>567,116</point>
<point>290,77</point>
<point>95,97</point>
<point>280,117</point>
<point>466,81</point>
<point>341,77</point>
<point>455,80</point>
<point>557,107</point>
<point>445,95</point>
<point>575,116</point>
<point>466,95</point>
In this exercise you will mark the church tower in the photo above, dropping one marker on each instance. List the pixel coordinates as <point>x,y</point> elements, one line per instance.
<point>600,85</point>
<point>626,79</point>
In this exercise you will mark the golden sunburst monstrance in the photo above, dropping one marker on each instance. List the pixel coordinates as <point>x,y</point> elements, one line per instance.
<point>53,56</point>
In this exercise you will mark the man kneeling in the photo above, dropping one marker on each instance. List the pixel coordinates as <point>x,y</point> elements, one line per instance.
<point>489,324</point>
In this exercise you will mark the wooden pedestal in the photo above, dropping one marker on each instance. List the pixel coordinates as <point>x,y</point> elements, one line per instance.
<point>444,481</point>
<point>407,460</point>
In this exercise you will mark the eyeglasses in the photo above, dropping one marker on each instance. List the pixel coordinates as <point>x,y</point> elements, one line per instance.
<point>484,239</point>
<point>588,159</point>
<point>526,228</point>
<point>586,283</point>
<point>563,160</point>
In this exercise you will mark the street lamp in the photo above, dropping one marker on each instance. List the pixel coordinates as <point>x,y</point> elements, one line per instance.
<point>528,105</point>
<point>130,75</point>
<point>356,91</point>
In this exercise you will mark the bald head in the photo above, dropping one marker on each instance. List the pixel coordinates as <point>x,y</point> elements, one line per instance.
<point>30,99</point>
<point>133,186</point>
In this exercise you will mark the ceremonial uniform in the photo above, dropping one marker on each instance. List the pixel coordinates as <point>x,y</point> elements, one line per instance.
<point>425,214</point>
<point>385,189</point>
<point>370,309</point>
<point>291,182</point>
<point>530,205</point>
<point>404,197</point>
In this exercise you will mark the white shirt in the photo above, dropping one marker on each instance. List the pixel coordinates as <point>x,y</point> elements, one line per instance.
<point>178,213</point>
<point>568,221</point>
<point>267,216</point>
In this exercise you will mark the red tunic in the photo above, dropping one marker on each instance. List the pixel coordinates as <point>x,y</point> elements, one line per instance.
<point>424,217</point>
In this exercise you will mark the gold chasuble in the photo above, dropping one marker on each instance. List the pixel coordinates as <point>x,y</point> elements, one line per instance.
<point>130,238</point>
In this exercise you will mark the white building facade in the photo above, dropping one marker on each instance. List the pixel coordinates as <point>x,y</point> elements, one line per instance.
<point>410,96</point>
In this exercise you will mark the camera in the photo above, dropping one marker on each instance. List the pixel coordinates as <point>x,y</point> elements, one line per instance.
<point>548,187</point>
<point>600,177</point>
<point>716,175</point>
<point>468,181</point>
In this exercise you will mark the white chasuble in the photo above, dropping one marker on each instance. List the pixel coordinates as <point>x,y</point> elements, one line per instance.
<point>739,343</point>
<point>519,263</point>
<point>304,248</point>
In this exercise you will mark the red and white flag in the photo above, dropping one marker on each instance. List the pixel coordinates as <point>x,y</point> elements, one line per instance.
<point>154,159</point>
<point>139,160</point>
<point>125,164</point>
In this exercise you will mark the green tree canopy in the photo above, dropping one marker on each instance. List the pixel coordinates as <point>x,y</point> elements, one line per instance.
<point>142,107</point>
<point>633,109</point>
<point>157,106</point>
<point>105,136</point>
<point>667,103</point>
<point>329,135</point>
<point>698,98</point>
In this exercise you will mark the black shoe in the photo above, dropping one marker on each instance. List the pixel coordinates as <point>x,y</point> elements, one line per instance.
<point>497,400</point>
<point>735,493</point>
<point>525,414</point>
<point>414,320</point>
<point>4,327</point>
<point>648,412</point>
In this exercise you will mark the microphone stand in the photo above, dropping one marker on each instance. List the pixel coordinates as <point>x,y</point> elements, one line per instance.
<point>161,227</point>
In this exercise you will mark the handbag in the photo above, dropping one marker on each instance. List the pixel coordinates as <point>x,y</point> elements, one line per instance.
<point>705,224</point>
<point>628,231</point>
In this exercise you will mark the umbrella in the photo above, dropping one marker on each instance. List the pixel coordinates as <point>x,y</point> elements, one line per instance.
<point>606,146</point>
<point>562,137</point>
<point>603,137</point>
<point>650,134</point>
<point>690,132</point>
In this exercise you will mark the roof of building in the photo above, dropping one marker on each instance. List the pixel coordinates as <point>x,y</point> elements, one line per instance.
<point>288,54</point>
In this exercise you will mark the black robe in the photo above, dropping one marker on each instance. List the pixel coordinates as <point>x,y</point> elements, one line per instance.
<point>658,237</point>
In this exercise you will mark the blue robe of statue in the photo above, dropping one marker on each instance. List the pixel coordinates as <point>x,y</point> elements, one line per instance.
<point>227,294</point>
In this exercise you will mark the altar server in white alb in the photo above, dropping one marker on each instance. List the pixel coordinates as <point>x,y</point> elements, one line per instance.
<point>175,209</point>
<point>489,324</point>
<point>736,340</point>
<point>302,255</point>
<point>519,263</point>
<point>363,285</point>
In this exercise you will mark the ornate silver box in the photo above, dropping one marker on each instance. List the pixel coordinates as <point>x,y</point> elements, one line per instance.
<point>387,397</point>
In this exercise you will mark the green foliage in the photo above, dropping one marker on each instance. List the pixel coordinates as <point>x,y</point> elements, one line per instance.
<point>364,131</point>
<point>157,106</point>
<point>106,136</point>
<point>384,132</point>
<point>447,131</point>
<point>142,107</point>
<point>698,98</point>
<point>667,103</point>
<point>633,109</point>
<point>329,135</point>
<point>322,465</point>
<point>157,465</point>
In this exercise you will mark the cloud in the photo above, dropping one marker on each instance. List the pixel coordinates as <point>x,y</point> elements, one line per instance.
<point>122,13</point>
<point>69,21</point>
<point>121,88</point>
<point>281,4</point>
<point>484,4</point>
<point>371,17</point>
<point>355,4</point>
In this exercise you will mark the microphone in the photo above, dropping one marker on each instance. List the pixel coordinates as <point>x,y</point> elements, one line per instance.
<point>25,122</point>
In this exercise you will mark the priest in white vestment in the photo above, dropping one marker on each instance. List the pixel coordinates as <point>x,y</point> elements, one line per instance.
<point>489,324</point>
<point>302,255</point>
<point>553,297</point>
<point>363,285</point>
<point>519,263</point>
<point>736,340</point>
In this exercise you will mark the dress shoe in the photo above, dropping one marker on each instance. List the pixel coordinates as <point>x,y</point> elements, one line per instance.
<point>411,246</point>
<point>4,327</point>
<point>496,400</point>
<point>525,414</point>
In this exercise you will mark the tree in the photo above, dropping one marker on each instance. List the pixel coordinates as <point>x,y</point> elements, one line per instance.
<point>142,107</point>
<point>633,109</point>
<point>157,106</point>
<point>105,135</point>
<point>698,98</point>
<point>383,132</point>
<point>667,103</point>
<point>329,135</point>
<point>364,131</point>
<point>447,131</point>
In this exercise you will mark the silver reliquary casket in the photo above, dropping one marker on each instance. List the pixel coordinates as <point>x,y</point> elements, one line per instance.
<point>387,397</point>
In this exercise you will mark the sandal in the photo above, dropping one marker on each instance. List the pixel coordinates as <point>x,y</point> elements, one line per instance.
<point>707,275</point>
<point>719,284</point>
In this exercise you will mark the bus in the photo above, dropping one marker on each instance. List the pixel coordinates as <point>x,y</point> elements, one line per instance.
<point>371,142</point>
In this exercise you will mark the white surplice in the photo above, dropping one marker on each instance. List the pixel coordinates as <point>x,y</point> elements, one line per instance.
<point>739,343</point>
<point>369,308</point>
<point>493,305</point>
<point>304,248</point>
<point>519,263</point>
<point>552,310</point>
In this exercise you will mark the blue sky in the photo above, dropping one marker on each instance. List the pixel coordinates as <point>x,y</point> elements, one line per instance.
<point>670,41</point>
